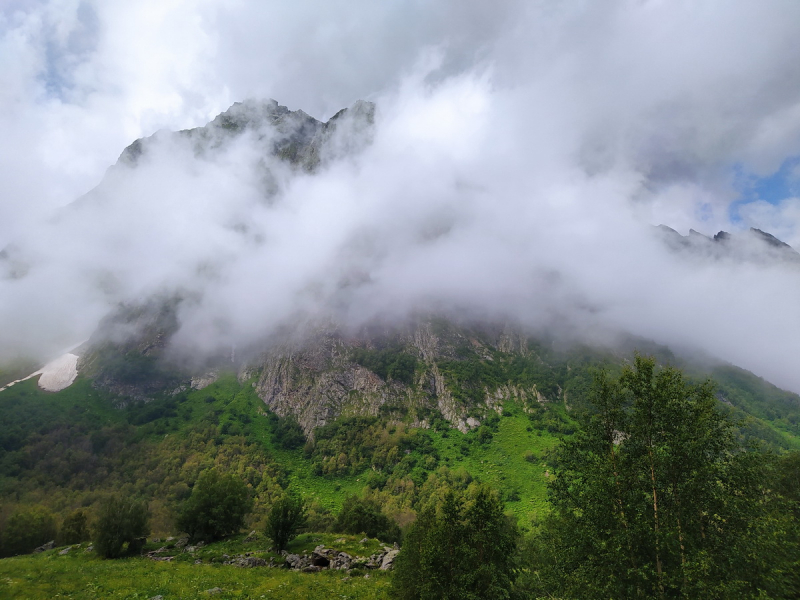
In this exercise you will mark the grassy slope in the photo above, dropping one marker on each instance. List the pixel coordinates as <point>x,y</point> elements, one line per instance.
<point>83,575</point>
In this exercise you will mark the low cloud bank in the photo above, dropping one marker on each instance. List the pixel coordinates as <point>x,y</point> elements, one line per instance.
<point>518,179</point>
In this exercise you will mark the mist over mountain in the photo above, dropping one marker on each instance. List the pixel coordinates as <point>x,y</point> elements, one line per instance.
<point>513,168</point>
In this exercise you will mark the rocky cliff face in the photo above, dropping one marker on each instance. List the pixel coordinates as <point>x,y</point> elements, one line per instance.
<point>333,373</point>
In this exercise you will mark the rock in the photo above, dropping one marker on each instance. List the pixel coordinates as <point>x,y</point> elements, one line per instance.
<point>89,548</point>
<point>388,560</point>
<point>159,597</point>
<point>214,591</point>
<point>182,542</point>
<point>340,541</point>
<point>251,537</point>
<point>247,562</point>
<point>198,562</point>
<point>292,561</point>
<point>364,540</point>
<point>310,569</point>
<point>64,552</point>
<point>48,546</point>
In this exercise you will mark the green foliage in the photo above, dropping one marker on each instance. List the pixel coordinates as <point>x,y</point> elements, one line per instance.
<point>28,528</point>
<point>360,515</point>
<point>388,363</point>
<point>352,444</point>
<point>287,515</point>
<point>217,507</point>
<point>120,521</point>
<point>462,549</point>
<point>74,529</point>
<point>287,432</point>
<point>654,498</point>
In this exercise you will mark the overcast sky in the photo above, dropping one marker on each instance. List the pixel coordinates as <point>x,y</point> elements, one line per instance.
<point>522,151</point>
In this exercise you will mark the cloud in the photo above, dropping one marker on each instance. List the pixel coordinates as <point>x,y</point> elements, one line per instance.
<point>520,155</point>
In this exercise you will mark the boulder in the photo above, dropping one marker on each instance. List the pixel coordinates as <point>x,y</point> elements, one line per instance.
<point>48,546</point>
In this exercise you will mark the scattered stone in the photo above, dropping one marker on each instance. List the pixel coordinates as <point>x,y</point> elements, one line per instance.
<point>159,597</point>
<point>156,540</point>
<point>214,591</point>
<point>364,541</point>
<point>247,562</point>
<point>64,552</point>
<point>340,541</point>
<point>48,546</point>
<point>182,542</point>
<point>388,560</point>
<point>89,548</point>
<point>198,562</point>
<point>251,537</point>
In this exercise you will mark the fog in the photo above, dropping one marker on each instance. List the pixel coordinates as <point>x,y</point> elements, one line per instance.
<point>519,159</point>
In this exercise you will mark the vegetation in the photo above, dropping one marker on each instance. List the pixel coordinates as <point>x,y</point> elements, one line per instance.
<point>655,498</point>
<point>464,548</point>
<point>27,529</point>
<point>364,516</point>
<point>120,522</point>
<point>287,515</point>
<point>727,510</point>
<point>75,528</point>
<point>217,507</point>
<point>390,363</point>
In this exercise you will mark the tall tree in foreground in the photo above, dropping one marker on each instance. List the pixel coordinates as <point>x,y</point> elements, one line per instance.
<point>460,550</point>
<point>654,498</point>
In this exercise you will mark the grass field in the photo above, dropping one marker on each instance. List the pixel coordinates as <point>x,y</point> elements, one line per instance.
<point>83,575</point>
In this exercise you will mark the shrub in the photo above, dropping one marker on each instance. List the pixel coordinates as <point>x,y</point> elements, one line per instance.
<point>288,433</point>
<point>217,507</point>
<point>364,516</point>
<point>286,516</point>
<point>120,521</point>
<point>74,529</point>
<point>28,528</point>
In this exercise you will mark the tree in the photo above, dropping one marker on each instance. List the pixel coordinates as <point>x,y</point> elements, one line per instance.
<point>286,516</point>
<point>27,529</point>
<point>120,521</point>
<point>654,497</point>
<point>217,507</point>
<point>75,528</point>
<point>462,549</point>
<point>364,516</point>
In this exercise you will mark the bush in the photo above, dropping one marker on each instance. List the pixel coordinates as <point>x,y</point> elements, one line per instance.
<point>288,433</point>
<point>120,521</point>
<point>364,516</point>
<point>286,516</point>
<point>217,507</point>
<point>28,528</point>
<point>74,529</point>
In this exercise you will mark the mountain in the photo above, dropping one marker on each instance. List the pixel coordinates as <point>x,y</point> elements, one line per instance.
<point>388,407</point>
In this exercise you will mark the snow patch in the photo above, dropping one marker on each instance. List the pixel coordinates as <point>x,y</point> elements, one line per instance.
<point>60,373</point>
<point>55,375</point>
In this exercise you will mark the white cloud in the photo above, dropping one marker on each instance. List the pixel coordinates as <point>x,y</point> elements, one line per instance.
<point>521,151</point>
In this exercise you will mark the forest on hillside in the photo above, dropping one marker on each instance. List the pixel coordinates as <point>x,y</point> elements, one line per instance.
<point>652,491</point>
